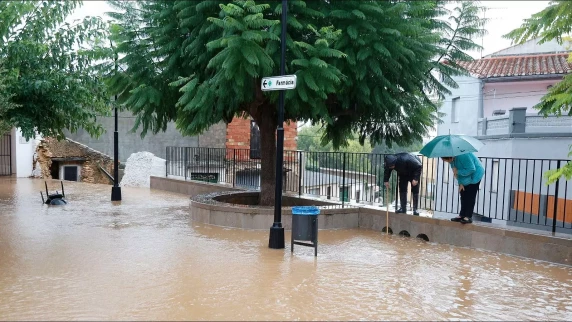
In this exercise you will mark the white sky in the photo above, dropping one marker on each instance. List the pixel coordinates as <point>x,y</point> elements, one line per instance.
<point>504,16</point>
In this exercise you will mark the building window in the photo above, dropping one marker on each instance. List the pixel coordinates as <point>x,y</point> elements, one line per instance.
<point>495,176</point>
<point>70,172</point>
<point>315,191</point>
<point>254,140</point>
<point>455,110</point>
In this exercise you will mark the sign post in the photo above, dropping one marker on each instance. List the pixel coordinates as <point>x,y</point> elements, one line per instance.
<point>116,189</point>
<point>276,239</point>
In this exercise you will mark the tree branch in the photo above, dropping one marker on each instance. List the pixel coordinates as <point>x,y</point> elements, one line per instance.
<point>27,19</point>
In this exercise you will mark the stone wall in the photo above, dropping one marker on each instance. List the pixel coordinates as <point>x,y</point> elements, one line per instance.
<point>214,137</point>
<point>69,152</point>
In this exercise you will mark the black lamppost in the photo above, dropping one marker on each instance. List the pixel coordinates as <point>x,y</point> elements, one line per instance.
<point>116,189</point>
<point>276,239</point>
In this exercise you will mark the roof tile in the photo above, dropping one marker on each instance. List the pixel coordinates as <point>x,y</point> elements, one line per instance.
<point>508,66</point>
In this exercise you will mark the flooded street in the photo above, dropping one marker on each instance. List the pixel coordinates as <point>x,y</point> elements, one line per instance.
<point>143,259</point>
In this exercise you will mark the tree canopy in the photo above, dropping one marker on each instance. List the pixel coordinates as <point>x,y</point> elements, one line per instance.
<point>363,67</point>
<point>554,22</point>
<point>48,80</point>
<point>6,103</point>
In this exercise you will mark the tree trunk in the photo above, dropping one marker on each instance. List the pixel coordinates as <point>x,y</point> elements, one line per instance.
<point>266,121</point>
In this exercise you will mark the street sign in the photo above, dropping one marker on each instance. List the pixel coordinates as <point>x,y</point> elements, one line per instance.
<point>278,83</point>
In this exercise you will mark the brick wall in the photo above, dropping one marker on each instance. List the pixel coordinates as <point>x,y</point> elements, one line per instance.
<point>290,135</point>
<point>238,134</point>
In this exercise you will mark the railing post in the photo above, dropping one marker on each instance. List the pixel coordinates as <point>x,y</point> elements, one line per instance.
<point>396,191</point>
<point>185,158</point>
<point>166,162</point>
<point>233,168</point>
<point>10,153</point>
<point>556,200</point>
<point>343,178</point>
<point>208,160</point>
<point>300,174</point>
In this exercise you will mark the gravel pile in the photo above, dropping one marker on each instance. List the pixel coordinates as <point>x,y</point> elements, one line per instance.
<point>139,167</point>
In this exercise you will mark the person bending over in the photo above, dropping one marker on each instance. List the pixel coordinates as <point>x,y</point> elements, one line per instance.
<point>408,169</point>
<point>469,171</point>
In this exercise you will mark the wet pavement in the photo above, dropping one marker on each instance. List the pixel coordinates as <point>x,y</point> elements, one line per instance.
<point>143,259</point>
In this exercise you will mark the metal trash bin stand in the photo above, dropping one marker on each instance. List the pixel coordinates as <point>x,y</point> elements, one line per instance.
<point>305,227</point>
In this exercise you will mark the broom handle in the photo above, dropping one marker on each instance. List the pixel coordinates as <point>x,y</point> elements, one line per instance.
<point>386,213</point>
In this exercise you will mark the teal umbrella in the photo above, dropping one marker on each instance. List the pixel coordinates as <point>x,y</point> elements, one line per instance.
<point>450,146</point>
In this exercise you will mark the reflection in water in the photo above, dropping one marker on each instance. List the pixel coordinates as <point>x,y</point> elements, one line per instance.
<point>142,259</point>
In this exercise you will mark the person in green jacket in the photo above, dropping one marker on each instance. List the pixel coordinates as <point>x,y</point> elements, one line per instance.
<point>469,171</point>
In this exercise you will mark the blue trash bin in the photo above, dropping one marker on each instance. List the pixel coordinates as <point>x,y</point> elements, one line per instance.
<point>304,223</point>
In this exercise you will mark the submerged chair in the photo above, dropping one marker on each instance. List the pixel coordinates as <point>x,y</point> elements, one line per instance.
<point>54,198</point>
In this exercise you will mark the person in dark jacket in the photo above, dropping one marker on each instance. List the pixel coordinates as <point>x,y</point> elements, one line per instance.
<point>408,169</point>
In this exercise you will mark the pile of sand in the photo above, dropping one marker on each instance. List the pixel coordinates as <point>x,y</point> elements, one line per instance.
<point>140,167</point>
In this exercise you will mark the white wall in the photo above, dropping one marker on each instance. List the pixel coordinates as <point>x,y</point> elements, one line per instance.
<point>504,96</point>
<point>526,148</point>
<point>532,46</point>
<point>22,154</point>
<point>13,134</point>
<point>468,108</point>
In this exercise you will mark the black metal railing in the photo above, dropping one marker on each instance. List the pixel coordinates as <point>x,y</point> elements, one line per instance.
<point>512,190</point>
<point>5,155</point>
<point>331,175</point>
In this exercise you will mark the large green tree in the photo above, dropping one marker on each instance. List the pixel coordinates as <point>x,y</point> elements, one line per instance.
<point>554,22</point>
<point>6,103</point>
<point>50,63</point>
<point>363,67</point>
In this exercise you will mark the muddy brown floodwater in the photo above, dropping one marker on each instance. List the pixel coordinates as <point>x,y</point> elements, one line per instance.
<point>143,259</point>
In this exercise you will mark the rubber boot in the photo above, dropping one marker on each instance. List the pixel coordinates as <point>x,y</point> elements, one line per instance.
<point>415,204</point>
<point>403,199</point>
